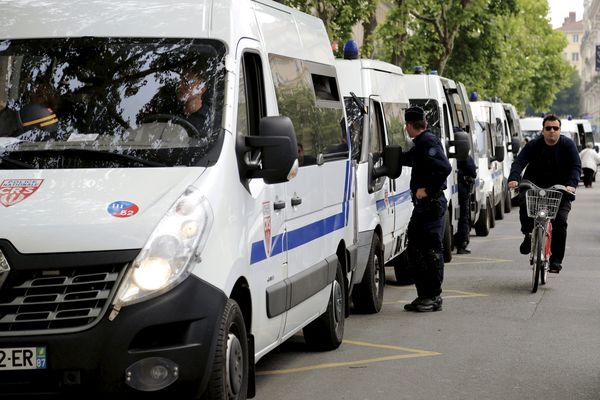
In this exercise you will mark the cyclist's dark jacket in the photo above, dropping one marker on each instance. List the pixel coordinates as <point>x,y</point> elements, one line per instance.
<point>429,162</point>
<point>548,165</point>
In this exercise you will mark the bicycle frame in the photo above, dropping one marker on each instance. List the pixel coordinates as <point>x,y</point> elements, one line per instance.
<point>541,239</point>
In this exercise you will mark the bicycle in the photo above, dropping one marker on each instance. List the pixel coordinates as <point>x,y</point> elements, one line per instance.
<point>542,206</point>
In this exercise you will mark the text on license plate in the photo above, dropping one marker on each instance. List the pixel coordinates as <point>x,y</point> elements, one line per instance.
<point>22,358</point>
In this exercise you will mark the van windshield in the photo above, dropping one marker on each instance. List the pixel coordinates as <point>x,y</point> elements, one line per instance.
<point>109,102</point>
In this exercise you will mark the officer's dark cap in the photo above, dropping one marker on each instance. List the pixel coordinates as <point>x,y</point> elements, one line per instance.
<point>38,116</point>
<point>414,114</point>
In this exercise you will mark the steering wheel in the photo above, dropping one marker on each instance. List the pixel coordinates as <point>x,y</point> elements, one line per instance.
<point>177,120</point>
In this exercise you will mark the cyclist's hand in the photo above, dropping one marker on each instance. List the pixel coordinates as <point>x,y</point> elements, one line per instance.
<point>570,189</point>
<point>421,193</point>
<point>513,184</point>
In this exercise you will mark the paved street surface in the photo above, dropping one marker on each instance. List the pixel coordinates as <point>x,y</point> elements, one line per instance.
<point>493,340</point>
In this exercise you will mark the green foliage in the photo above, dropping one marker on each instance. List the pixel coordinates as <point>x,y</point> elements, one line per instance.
<point>568,100</point>
<point>499,48</point>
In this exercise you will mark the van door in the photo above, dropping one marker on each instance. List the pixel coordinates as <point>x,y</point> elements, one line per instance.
<point>380,189</point>
<point>266,215</point>
<point>316,203</point>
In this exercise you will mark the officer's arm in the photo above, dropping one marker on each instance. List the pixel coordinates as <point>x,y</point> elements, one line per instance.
<point>440,169</point>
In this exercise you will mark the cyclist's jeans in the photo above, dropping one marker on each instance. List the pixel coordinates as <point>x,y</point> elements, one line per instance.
<point>559,226</point>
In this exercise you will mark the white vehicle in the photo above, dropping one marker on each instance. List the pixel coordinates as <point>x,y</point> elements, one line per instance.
<point>490,173</point>
<point>161,230</point>
<point>375,102</point>
<point>513,142</point>
<point>438,97</point>
<point>569,129</point>
<point>531,127</point>
<point>584,128</point>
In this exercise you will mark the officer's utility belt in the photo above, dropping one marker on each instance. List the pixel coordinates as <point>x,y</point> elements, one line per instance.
<point>429,199</point>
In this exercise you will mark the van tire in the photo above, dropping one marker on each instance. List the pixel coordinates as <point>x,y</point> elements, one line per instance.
<point>507,202</point>
<point>482,226</point>
<point>367,296</point>
<point>499,209</point>
<point>492,212</point>
<point>231,353</point>
<point>403,269</point>
<point>327,332</point>
<point>447,238</point>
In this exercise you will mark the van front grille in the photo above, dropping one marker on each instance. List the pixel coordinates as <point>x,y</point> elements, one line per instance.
<point>56,299</point>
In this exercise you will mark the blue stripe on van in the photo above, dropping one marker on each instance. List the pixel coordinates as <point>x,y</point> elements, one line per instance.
<point>393,200</point>
<point>308,233</point>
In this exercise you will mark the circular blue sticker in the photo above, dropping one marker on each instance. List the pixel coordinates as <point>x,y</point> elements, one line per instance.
<point>122,209</point>
<point>432,152</point>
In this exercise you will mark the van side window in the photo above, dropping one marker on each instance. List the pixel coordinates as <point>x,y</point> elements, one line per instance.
<point>446,123</point>
<point>251,100</point>
<point>356,119</point>
<point>309,96</point>
<point>394,121</point>
<point>376,131</point>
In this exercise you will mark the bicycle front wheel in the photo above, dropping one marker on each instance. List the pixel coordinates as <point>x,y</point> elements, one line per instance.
<point>538,264</point>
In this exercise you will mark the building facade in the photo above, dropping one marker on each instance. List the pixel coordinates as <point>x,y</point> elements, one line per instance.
<point>590,73</point>
<point>573,31</point>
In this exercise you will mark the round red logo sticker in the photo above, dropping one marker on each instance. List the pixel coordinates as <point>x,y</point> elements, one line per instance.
<point>122,209</point>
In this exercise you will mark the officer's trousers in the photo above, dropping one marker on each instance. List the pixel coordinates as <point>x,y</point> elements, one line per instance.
<point>559,226</point>
<point>425,231</point>
<point>463,227</point>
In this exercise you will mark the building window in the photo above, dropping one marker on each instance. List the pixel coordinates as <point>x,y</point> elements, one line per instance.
<point>566,56</point>
<point>576,38</point>
<point>575,57</point>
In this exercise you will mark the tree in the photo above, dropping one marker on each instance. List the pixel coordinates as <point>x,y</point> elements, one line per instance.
<point>568,100</point>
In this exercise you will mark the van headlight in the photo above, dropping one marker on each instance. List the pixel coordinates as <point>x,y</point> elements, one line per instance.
<point>170,252</point>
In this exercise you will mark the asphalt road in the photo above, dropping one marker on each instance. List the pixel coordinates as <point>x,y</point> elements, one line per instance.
<point>494,339</point>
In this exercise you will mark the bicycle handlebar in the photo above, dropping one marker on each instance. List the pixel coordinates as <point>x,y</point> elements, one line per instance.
<point>526,185</point>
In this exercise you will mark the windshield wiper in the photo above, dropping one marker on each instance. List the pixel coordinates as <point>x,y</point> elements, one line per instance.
<point>93,154</point>
<point>16,163</point>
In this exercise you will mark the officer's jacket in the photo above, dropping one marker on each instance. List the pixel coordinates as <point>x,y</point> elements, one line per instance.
<point>548,165</point>
<point>430,166</point>
<point>466,168</point>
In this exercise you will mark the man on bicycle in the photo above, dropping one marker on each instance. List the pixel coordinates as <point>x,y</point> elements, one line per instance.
<point>551,159</point>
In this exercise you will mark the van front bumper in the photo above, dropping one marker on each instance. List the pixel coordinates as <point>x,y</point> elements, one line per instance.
<point>179,326</point>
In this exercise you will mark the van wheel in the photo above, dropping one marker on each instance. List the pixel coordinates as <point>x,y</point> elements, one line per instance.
<point>447,239</point>
<point>499,209</point>
<point>327,331</point>
<point>403,269</point>
<point>229,376</point>
<point>507,202</point>
<point>482,226</point>
<point>367,296</point>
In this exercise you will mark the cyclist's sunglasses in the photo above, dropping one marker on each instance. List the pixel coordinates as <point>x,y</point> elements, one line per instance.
<point>551,128</point>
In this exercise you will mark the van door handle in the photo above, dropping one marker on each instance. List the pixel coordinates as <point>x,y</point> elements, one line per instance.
<point>279,205</point>
<point>296,201</point>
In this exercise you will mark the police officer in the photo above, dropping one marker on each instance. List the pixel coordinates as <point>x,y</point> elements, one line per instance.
<point>467,172</point>
<point>430,168</point>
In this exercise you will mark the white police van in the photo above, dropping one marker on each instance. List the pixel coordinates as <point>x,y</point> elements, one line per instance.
<point>489,153</point>
<point>181,204</point>
<point>514,141</point>
<point>531,127</point>
<point>445,112</point>
<point>375,101</point>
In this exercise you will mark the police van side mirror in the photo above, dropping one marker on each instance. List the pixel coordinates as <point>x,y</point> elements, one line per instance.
<point>597,148</point>
<point>276,141</point>
<point>516,146</point>
<point>391,163</point>
<point>461,146</point>
<point>498,153</point>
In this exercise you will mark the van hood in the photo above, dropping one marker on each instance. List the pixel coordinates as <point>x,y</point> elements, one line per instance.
<point>55,211</point>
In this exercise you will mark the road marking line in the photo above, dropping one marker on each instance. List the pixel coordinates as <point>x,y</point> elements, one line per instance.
<point>477,260</point>
<point>495,239</point>
<point>415,354</point>
<point>460,295</point>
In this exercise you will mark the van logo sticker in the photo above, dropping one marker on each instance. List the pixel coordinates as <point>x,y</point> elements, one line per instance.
<point>267,225</point>
<point>386,199</point>
<point>122,209</point>
<point>13,191</point>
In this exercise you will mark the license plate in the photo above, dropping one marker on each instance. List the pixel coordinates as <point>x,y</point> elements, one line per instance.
<point>22,358</point>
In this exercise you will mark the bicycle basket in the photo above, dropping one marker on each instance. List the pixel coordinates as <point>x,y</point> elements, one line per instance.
<point>542,200</point>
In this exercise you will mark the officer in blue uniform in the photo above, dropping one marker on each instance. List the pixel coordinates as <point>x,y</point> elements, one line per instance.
<point>430,168</point>
<point>467,172</point>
